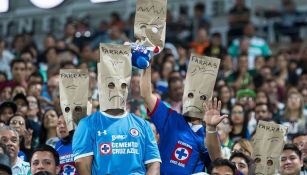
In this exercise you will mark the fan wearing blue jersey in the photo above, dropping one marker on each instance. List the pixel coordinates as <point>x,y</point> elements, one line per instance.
<point>113,141</point>
<point>183,145</point>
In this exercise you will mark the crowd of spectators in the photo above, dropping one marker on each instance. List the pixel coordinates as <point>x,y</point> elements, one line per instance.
<point>256,81</point>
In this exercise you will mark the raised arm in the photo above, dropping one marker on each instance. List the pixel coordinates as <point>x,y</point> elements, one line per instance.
<point>146,89</point>
<point>84,165</point>
<point>212,118</point>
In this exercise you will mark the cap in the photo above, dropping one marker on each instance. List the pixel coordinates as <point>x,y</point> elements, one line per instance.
<point>246,92</point>
<point>5,163</point>
<point>9,104</point>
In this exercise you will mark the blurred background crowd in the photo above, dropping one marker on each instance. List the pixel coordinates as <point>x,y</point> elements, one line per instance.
<point>262,76</point>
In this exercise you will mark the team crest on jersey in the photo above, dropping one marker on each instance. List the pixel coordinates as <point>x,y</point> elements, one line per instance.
<point>181,155</point>
<point>69,169</point>
<point>105,148</point>
<point>134,132</point>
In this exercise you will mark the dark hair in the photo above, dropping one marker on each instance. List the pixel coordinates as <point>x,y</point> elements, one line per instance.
<point>248,160</point>
<point>299,134</point>
<point>262,104</point>
<point>43,134</point>
<point>219,162</point>
<point>50,149</point>
<point>36,74</point>
<point>245,122</point>
<point>4,74</point>
<point>15,61</point>
<point>200,6</point>
<point>293,148</point>
<point>27,50</point>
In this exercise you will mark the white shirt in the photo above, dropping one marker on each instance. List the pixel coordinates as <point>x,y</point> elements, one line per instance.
<point>21,167</point>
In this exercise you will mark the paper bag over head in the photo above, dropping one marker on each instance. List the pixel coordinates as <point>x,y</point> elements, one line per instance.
<point>267,147</point>
<point>150,22</point>
<point>200,81</point>
<point>74,85</point>
<point>114,74</point>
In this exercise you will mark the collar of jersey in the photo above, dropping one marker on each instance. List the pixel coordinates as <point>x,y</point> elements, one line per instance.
<point>114,116</point>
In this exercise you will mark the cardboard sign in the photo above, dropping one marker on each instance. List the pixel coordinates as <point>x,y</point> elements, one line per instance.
<point>200,80</point>
<point>267,147</point>
<point>114,74</point>
<point>74,85</point>
<point>150,22</point>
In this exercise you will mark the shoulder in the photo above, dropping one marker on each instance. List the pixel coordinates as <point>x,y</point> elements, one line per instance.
<point>91,118</point>
<point>137,119</point>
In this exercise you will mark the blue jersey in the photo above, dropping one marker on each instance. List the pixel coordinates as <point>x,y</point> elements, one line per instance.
<point>182,150</point>
<point>67,163</point>
<point>120,146</point>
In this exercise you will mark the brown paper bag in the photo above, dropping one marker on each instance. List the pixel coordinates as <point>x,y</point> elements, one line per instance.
<point>150,22</point>
<point>267,147</point>
<point>114,74</point>
<point>74,84</point>
<point>199,84</point>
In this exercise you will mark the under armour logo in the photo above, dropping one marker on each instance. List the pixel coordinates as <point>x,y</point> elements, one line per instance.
<point>100,133</point>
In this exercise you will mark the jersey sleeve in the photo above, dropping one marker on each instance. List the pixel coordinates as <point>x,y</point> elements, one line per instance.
<point>151,148</point>
<point>82,144</point>
<point>160,115</point>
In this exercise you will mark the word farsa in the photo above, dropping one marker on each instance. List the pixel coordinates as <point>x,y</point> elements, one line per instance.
<point>272,128</point>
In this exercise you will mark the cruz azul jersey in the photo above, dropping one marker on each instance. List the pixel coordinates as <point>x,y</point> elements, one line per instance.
<point>120,146</point>
<point>67,163</point>
<point>182,151</point>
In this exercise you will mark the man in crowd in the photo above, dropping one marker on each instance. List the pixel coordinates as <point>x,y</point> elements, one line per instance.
<point>290,160</point>
<point>10,138</point>
<point>300,140</point>
<point>243,162</point>
<point>222,167</point>
<point>182,146</point>
<point>113,141</point>
<point>45,158</point>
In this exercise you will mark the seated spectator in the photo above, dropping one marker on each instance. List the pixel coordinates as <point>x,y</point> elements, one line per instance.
<point>48,133</point>
<point>222,167</point>
<point>9,137</point>
<point>290,160</point>
<point>293,117</point>
<point>300,140</point>
<point>243,146</point>
<point>45,158</point>
<point>239,123</point>
<point>215,48</point>
<point>224,128</point>
<point>7,110</point>
<point>18,122</point>
<point>238,17</point>
<point>249,44</point>
<point>201,43</point>
<point>64,148</point>
<point>243,163</point>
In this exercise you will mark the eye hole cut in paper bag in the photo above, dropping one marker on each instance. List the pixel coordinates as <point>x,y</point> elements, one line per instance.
<point>150,22</point>
<point>200,80</point>
<point>267,144</point>
<point>114,74</point>
<point>74,85</point>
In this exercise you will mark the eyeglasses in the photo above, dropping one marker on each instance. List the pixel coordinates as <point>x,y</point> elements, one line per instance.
<point>246,99</point>
<point>14,122</point>
<point>237,112</point>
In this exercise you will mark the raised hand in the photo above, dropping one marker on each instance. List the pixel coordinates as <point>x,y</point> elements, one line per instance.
<point>212,115</point>
<point>28,138</point>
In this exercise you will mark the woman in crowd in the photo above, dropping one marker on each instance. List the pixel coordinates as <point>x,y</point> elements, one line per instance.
<point>19,123</point>
<point>243,146</point>
<point>239,122</point>
<point>294,117</point>
<point>48,128</point>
